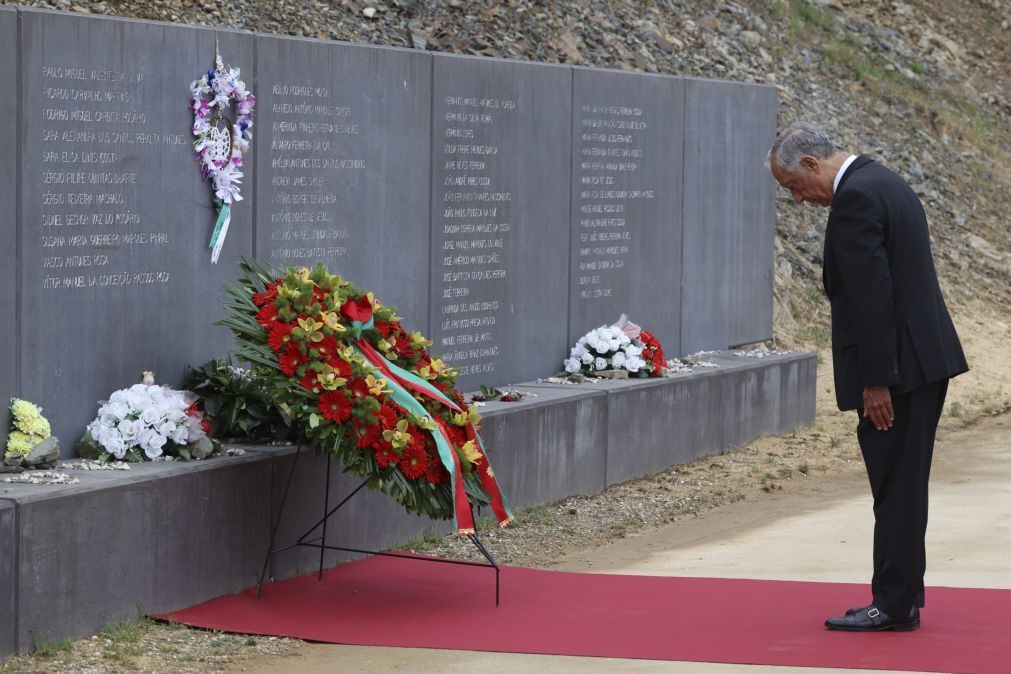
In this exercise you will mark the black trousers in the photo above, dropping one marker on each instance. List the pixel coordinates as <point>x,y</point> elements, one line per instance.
<point>898,465</point>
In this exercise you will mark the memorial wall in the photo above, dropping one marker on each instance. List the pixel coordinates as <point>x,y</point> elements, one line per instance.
<point>504,207</point>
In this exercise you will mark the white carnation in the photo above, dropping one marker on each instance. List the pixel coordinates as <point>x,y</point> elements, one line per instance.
<point>618,360</point>
<point>587,358</point>
<point>634,364</point>
<point>600,364</point>
<point>573,365</point>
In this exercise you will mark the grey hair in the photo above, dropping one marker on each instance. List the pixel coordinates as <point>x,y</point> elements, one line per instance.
<point>798,140</point>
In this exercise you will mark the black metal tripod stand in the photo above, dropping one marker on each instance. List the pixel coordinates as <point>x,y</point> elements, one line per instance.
<point>320,541</point>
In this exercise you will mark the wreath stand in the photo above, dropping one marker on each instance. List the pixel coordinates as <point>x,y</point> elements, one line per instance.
<point>320,540</point>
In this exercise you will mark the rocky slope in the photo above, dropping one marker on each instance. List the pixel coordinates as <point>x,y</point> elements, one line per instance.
<point>922,84</point>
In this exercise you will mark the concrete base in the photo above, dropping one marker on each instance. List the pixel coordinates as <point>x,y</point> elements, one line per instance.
<point>159,537</point>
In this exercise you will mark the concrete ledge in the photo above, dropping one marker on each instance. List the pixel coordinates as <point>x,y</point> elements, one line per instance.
<point>8,568</point>
<point>125,543</point>
<point>162,536</point>
<point>548,447</point>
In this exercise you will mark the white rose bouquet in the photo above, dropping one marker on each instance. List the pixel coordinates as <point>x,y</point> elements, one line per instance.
<point>622,346</point>
<point>147,420</point>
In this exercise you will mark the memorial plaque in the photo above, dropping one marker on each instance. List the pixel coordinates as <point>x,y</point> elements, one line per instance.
<point>8,210</point>
<point>116,276</point>
<point>343,173</point>
<point>729,215</point>
<point>627,135</point>
<point>500,217</point>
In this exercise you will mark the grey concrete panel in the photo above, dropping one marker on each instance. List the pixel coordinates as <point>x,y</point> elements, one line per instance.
<point>729,215</point>
<point>370,520</point>
<point>211,527</point>
<point>627,142</point>
<point>500,217</point>
<point>8,212</point>
<point>88,560</point>
<point>548,447</point>
<point>792,406</point>
<point>116,275</point>
<point>121,544</point>
<point>667,420</point>
<point>675,421</point>
<point>343,175</point>
<point>798,393</point>
<point>8,576</point>
<point>751,403</point>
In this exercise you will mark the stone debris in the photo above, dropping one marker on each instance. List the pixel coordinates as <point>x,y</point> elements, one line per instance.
<point>760,353</point>
<point>90,464</point>
<point>570,379</point>
<point>43,477</point>
<point>236,451</point>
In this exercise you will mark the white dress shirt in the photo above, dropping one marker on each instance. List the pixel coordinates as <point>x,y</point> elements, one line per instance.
<point>842,170</point>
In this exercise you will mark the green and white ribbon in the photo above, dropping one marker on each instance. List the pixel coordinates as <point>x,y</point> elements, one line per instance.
<point>220,232</point>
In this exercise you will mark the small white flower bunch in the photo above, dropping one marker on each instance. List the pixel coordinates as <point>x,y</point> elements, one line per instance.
<point>605,348</point>
<point>145,418</point>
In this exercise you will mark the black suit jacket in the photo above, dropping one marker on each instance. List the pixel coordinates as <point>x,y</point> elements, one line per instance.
<point>890,326</point>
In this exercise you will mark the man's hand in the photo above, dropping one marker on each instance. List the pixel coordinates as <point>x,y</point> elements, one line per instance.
<point>878,407</point>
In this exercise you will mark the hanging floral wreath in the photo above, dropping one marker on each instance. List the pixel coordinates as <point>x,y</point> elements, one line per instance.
<point>219,142</point>
<point>358,385</point>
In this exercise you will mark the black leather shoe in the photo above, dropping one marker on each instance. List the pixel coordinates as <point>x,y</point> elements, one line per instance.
<point>851,611</point>
<point>873,619</point>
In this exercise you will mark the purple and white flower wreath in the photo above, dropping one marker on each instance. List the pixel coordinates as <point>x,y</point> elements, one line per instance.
<point>220,142</point>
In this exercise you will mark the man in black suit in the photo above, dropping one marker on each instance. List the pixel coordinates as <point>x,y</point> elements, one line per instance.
<point>894,348</point>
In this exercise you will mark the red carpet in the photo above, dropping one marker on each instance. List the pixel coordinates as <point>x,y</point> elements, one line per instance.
<point>395,602</point>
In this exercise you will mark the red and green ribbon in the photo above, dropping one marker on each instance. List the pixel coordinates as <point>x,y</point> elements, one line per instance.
<point>404,386</point>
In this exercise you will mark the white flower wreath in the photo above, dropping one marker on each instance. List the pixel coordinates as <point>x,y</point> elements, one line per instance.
<point>219,142</point>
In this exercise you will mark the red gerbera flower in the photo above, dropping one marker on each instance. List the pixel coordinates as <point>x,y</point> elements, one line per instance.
<point>267,314</point>
<point>341,367</point>
<point>279,334</point>
<point>368,434</point>
<point>388,416</point>
<point>414,462</point>
<point>417,438</point>
<point>359,388</point>
<point>403,346</point>
<point>383,327</point>
<point>385,455</point>
<point>457,434</point>
<point>290,359</point>
<point>436,473</point>
<point>335,406</point>
<point>327,348</point>
<point>310,381</point>
<point>267,296</point>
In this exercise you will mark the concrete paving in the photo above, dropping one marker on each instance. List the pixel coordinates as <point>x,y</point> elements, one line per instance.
<point>817,533</point>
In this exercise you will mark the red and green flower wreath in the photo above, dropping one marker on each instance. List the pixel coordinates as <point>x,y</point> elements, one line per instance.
<point>360,386</point>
